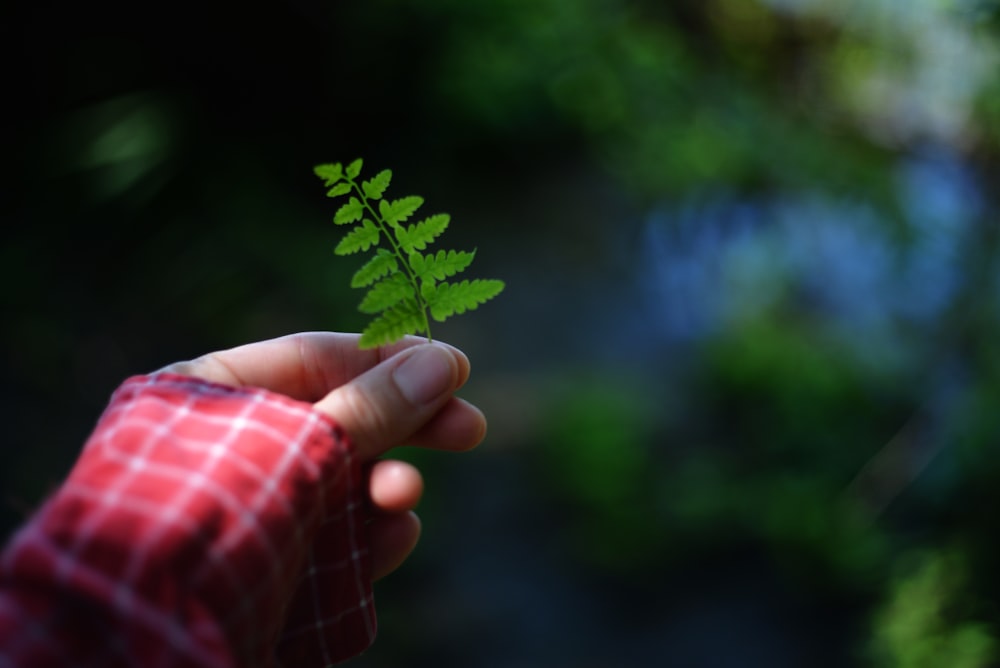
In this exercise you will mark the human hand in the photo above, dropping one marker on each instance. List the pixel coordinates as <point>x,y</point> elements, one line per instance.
<point>382,397</point>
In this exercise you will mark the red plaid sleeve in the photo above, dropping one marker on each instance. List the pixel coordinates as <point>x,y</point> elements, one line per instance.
<point>202,525</point>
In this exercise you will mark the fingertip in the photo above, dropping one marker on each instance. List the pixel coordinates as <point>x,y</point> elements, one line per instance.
<point>459,426</point>
<point>393,538</point>
<point>423,374</point>
<point>395,486</point>
<point>464,366</point>
<point>386,405</point>
<point>480,424</point>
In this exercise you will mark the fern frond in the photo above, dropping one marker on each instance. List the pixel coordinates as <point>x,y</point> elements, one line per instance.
<point>397,211</point>
<point>395,323</point>
<point>417,236</point>
<point>353,169</point>
<point>405,286</point>
<point>441,265</point>
<point>451,298</point>
<point>329,173</point>
<point>350,212</point>
<point>359,239</point>
<point>339,189</point>
<point>376,185</point>
<point>385,293</point>
<point>381,264</point>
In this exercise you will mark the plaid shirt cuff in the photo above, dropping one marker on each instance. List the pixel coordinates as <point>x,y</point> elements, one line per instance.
<point>203,525</point>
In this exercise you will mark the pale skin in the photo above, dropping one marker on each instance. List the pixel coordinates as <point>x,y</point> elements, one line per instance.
<point>385,397</point>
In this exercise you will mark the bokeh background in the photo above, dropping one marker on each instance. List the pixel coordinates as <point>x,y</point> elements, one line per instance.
<point>743,385</point>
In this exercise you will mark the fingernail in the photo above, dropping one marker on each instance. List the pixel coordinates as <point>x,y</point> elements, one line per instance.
<point>425,375</point>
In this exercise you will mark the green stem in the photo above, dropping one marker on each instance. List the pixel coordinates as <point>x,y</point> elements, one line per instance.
<point>384,227</point>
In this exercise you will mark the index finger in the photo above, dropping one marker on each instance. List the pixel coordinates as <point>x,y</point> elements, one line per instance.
<point>304,366</point>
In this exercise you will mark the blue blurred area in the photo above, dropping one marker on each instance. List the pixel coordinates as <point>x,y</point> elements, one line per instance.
<point>718,259</point>
<point>743,384</point>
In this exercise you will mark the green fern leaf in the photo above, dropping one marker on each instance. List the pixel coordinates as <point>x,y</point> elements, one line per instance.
<point>441,265</point>
<point>350,212</point>
<point>375,186</point>
<point>385,293</point>
<point>427,290</point>
<point>381,264</point>
<point>341,188</point>
<point>395,323</point>
<point>359,239</point>
<point>406,287</point>
<point>397,211</point>
<point>329,173</point>
<point>353,169</point>
<point>417,236</point>
<point>452,298</point>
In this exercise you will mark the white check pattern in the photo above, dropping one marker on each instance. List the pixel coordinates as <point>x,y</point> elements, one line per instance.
<point>203,525</point>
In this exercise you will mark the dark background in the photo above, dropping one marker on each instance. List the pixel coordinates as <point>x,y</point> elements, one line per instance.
<point>743,384</point>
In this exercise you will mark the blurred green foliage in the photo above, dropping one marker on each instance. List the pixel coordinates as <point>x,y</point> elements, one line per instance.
<point>924,621</point>
<point>743,384</point>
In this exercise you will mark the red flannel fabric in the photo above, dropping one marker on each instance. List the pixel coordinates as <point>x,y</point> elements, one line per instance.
<point>203,525</point>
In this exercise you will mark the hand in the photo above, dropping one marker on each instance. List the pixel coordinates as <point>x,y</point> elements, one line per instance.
<point>384,397</point>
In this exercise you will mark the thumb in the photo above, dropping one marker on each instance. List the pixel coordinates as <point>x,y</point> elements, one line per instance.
<point>387,404</point>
